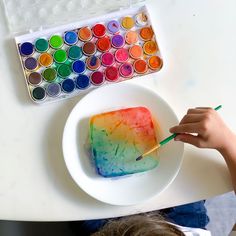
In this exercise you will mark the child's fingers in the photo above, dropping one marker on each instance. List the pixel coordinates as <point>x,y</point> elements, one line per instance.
<point>191,118</point>
<point>203,108</point>
<point>188,138</point>
<point>197,110</point>
<point>186,128</point>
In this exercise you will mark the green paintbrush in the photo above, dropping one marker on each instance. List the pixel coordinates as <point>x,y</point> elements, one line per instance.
<point>164,142</point>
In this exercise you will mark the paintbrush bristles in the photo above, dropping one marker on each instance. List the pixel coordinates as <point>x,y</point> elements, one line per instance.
<point>148,152</point>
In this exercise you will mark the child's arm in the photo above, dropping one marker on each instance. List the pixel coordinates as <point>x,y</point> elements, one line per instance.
<point>210,132</point>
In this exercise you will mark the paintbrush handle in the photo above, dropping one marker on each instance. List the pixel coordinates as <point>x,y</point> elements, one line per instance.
<point>217,108</point>
<point>151,150</point>
<point>160,144</point>
<point>166,140</point>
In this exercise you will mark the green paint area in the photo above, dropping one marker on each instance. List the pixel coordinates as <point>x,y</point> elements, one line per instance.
<point>75,52</point>
<point>56,41</point>
<point>49,74</point>
<point>64,70</point>
<point>60,56</point>
<point>41,45</point>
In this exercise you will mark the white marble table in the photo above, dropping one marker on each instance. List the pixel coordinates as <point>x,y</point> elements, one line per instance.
<point>197,40</point>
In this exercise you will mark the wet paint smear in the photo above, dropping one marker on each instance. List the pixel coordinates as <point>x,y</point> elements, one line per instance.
<point>118,137</point>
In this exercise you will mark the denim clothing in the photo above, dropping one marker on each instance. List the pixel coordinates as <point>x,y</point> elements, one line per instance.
<point>189,215</point>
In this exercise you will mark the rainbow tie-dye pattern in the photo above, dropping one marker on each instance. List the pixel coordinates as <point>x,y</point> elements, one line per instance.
<point>118,137</point>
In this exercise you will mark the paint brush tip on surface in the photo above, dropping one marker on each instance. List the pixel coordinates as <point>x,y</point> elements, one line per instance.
<point>139,158</point>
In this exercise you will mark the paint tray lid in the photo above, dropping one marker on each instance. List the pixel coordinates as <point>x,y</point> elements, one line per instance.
<point>32,15</point>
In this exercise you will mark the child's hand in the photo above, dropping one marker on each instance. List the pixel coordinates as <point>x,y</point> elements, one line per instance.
<point>203,127</point>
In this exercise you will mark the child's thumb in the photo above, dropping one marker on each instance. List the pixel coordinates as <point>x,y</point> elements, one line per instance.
<point>188,138</point>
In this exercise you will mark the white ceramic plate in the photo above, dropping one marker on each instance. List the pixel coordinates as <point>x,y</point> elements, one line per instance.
<point>131,189</point>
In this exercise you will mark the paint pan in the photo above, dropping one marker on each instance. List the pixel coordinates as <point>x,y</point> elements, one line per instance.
<point>131,37</point>
<point>103,44</point>
<point>56,41</point>
<point>53,90</point>
<point>74,52</point>
<point>30,64</point>
<point>97,78</point>
<point>82,81</point>
<point>38,93</point>
<point>89,48</point>
<point>68,85</point>
<point>141,19</point>
<point>146,33</point>
<point>136,51</point>
<point>111,74</point>
<point>45,59</point>
<point>118,41</point>
<point>64,70</point>
<point>140,66</point>
<point>93,63</point>
<point>49,75</point>
<point>41,45</point>
<point>113,26</point>
<point>70,59</point>
<point>78,67</point>
<point>126,70</point>
<point>99,30</point>
<point>60,56</point>
<point>155,63</point>
<point>127,22</point>
<point>26,49</point>
<point>70,37</point>
<point>107,59</point>
<point>85,34</point>
<point>122,55</point>
<point>35,78</point>
<point>150,47</point>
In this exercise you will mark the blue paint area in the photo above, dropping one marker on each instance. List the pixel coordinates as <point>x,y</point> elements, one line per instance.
<point>115,158</point>
<point>68,85</point>
<point>93,61</point>
<point>78,66</point>
<point>70,37</point>
<point>82,82</point>
<point>26,49</point>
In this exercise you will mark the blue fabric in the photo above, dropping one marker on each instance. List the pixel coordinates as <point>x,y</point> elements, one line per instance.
<point>189,215</point>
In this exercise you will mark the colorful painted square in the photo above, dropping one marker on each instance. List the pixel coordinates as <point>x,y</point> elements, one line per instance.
<point>118,137</point>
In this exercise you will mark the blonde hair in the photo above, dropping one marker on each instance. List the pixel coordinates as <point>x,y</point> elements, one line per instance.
<point>139,225</point>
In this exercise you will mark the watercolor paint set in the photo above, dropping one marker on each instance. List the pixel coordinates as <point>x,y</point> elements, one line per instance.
<point>68,60</point>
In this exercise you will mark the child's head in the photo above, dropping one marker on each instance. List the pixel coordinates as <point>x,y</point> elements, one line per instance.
<point>139,225</point>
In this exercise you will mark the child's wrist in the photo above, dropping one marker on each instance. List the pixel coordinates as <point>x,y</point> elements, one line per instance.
<point>229,145</point>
